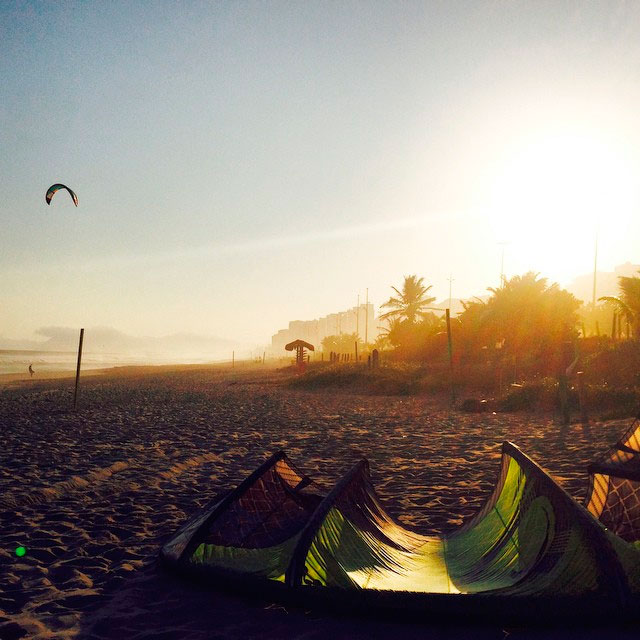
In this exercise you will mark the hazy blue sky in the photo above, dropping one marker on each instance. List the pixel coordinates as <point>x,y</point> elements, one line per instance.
<point>241,164</point>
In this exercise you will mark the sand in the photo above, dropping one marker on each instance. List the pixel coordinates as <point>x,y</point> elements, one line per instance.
<point>93,494</point>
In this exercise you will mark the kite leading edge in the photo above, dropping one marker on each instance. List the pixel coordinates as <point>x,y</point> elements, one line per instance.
<point>56,187</point>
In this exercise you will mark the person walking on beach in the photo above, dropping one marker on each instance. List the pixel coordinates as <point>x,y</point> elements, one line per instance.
<point>31,371</point>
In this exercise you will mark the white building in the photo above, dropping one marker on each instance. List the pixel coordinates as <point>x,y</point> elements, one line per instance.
<point>360,320</point>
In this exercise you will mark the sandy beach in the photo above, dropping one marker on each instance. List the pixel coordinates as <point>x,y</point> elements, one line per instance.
<point>93,494</point>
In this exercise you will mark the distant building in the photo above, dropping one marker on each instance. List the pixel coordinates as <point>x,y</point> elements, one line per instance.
<point>606,282</point>
<point>457,307</point>
<point>358,320</point>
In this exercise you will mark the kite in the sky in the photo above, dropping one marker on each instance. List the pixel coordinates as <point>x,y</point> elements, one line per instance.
<point>55,187</point>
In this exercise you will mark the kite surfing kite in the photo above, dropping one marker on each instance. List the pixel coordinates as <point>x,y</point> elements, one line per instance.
<point>531,553</point>
<point>56,187</point>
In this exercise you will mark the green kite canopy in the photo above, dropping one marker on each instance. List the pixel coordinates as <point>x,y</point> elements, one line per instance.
<point>531,553</point>
<point>51,191</point>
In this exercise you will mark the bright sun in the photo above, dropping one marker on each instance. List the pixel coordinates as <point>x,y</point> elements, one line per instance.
<point>554,195</point>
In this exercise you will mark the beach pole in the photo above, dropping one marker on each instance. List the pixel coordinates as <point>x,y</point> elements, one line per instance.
<point>453,391</point>
<point>582,399</point>
<point>366,321</point>
<point>356,351</point>
<point>264,355</point>
<point>75,393</point>
<point>563,391</point>
<point>233,359</point>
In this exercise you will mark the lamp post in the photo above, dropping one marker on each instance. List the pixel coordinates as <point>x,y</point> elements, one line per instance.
<point>595,268</point>
<point>366,320</point>
<point>502,244</point>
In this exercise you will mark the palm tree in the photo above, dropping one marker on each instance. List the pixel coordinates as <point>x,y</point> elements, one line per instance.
<point>389,335</point>
<point>628,302</point>
<point>527,316</point>
<point>410,303</point>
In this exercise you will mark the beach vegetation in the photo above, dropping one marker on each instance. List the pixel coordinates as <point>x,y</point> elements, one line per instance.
<point>410,322</point>
<point>627,303</point>
<point>343,343</point>
<point>510,351</point>
<point>410,302</point>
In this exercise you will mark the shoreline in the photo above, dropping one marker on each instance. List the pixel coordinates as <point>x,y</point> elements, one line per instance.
<point>20,379</point>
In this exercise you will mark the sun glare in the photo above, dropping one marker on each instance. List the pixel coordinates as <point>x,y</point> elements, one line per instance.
<point>552,198</point>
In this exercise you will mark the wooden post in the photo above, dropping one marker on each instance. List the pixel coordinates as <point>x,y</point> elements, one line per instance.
<point>619,326</point>
<point>233,359</point>
<point>613,327</point>
<point>582,399</point>
<point>563,390</point>
<point>356,351</point>
<point>264,355</point>
<point>563,398</point>
<point>75,393</point>
<point>453,391</point>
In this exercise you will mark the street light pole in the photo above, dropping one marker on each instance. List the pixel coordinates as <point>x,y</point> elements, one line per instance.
<point>366,320</point>
<point>502,244</point>
<point>595,268</point>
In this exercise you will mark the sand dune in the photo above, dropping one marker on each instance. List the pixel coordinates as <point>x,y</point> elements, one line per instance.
<point>93,494</point>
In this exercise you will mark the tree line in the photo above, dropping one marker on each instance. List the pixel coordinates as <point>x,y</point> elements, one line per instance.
<point>526,320</point>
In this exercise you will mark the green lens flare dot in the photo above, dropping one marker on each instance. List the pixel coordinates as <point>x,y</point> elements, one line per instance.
<point>20,551</point>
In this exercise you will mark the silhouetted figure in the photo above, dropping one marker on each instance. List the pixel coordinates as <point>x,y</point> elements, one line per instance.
<point>31,371</point>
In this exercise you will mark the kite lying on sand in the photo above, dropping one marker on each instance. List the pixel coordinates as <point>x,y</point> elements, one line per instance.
<point>532,553</point>
<point>614,486</point>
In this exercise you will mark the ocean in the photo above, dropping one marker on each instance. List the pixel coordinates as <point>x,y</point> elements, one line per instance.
<point>18,361</point>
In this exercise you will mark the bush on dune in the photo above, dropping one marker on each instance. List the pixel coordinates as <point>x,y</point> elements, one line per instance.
<point>601,400</point>
<point>357,378</point>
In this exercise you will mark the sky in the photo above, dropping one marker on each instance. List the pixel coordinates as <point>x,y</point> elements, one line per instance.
<point>242,164</point>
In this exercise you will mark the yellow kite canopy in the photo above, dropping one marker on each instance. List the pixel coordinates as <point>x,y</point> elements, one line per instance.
<point>614,491</point>
<point>56,187</point>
